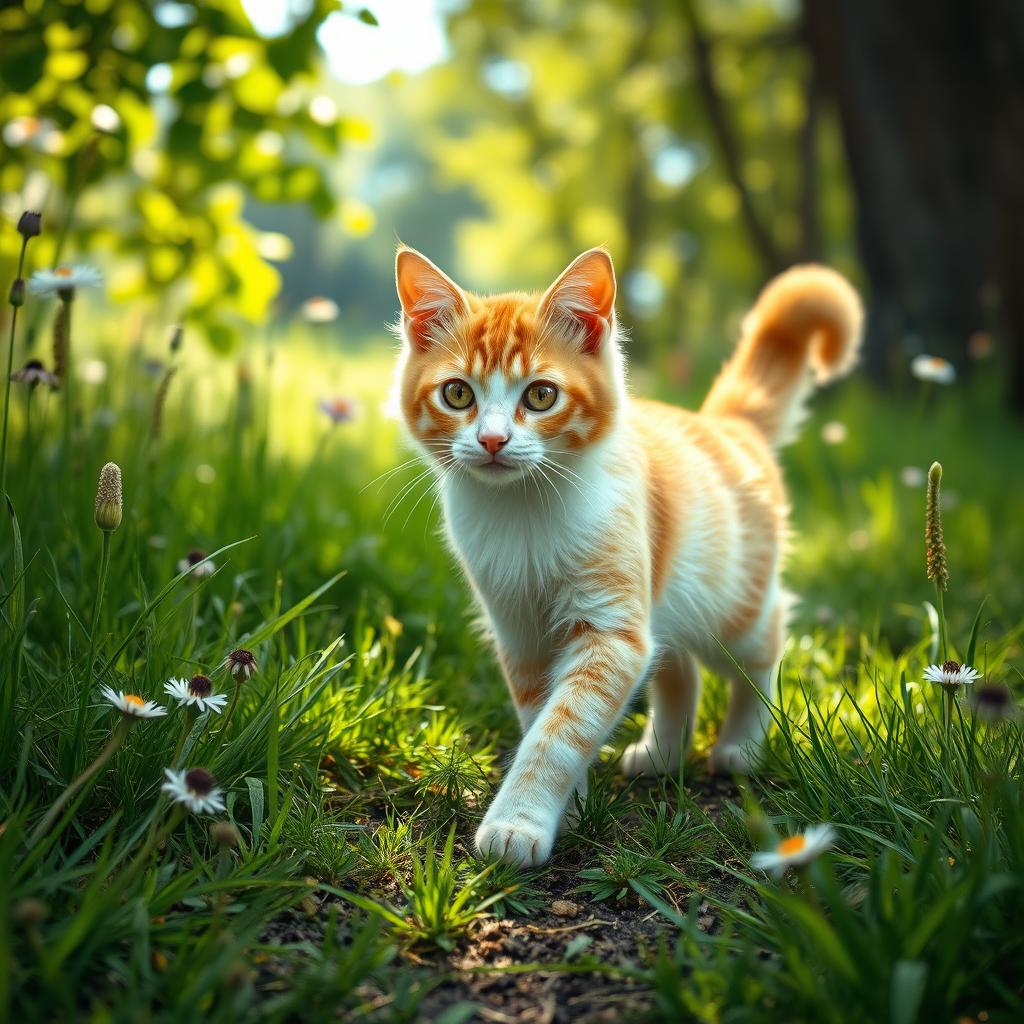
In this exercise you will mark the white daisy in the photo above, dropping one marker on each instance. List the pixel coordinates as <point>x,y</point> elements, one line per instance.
<point>39,133</point>
<point>64,279</point>
<point>933,369</point>
<point>834,432</point>
<point>320,310</point>
<point>913,476</point>
<point>34,373</point>
<point>131,704</point>
<point>200,565</point>
<point>795,851</point>
<point>194,787</point>
<point>951,674</point>
<point>197,691</point>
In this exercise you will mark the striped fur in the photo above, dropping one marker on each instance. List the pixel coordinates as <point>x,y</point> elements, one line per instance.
<point>611,540</point>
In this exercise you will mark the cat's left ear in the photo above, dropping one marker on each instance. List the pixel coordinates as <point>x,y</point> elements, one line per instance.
<point>581,303</point>
<point>431,300</point>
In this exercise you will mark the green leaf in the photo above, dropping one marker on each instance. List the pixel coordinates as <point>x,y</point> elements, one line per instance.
<point>909,978</point>
<point>255,787</point>
<point>973,642</point>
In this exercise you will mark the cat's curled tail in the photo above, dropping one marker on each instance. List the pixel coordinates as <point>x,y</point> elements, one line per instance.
<point>804,330</point>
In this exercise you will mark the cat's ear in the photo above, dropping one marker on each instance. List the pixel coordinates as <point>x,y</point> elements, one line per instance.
<point>431,301</point>
<point>581,303</point>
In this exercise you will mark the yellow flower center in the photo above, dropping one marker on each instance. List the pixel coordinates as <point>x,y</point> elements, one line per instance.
<point>938,362</point>
<point>63,272</point>
<point>794,844</point>
<point>131,698</point>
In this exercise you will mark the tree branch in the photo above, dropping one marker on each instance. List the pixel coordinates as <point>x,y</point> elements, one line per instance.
<point>722,128</point>
<point>810,221</point>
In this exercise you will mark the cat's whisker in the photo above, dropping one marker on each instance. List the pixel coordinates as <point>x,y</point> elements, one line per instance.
<point>388,473</point>
<point>555,488</point>
<point>403,493</point>
<point>439,483</point>
<point>556,470</point>
<point>540,491</point>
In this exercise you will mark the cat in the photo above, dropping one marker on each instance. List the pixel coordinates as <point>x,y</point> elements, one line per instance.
<point>608,539</point>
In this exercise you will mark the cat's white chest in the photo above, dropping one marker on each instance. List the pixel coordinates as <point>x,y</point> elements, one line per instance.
<point>523,544</point>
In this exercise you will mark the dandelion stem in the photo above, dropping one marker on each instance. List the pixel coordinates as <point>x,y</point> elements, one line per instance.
<point>62,339</point>
<point>942,621</point>
<point>155,837</point>
<point>10,369</point>
<point>116,739</point>
<point>83,700</point>
<point>231,707</point>
<point>181,739</point>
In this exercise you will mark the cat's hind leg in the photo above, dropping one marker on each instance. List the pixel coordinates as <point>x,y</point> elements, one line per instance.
<point>746,722</point>
<point>674,689</point>
<point>749,715</point>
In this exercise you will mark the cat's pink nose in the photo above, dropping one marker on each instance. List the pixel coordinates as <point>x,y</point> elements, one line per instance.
<point>493,442</point>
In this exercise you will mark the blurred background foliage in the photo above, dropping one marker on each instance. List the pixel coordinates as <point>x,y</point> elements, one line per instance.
<point>233,159</point>
<point>142,129</point>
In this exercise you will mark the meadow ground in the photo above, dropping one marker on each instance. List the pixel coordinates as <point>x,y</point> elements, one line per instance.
<point>357,761</point>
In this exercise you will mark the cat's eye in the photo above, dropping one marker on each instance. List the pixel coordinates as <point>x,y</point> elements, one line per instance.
<point>540,396</point>
<point>457,394</point>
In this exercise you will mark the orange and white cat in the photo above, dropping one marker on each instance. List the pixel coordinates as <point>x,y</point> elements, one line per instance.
<point>611,540</point>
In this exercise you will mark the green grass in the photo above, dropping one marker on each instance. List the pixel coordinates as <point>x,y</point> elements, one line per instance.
<point>359,759</point>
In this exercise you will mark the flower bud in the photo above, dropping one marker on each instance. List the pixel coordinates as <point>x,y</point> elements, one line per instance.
<point>30,224</point>
<point>30,912</point>
<point>17,296</point>
<point>109,498</point>
<point>225,835</point>
<point>241,664</point>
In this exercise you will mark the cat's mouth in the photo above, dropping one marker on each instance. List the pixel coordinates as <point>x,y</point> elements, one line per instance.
<point>497,470</point>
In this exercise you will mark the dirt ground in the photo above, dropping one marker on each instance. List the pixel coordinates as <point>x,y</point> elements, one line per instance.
<point>568,928</point>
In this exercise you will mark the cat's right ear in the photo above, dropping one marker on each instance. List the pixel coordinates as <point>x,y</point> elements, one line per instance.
<point>431,301</point>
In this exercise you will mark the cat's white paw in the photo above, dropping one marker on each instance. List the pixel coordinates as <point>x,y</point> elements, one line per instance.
<point>733,759</point>
<point>518,841</point>
<point>644,758</point>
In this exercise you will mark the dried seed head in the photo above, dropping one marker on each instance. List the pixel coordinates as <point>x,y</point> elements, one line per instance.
<point>157,423</point>
<point>200,686</point>
<point>17,294</point>
<point>199,780</point>
<point>225,835</point>
<point>938,570</point>
<point>30,912</point>
<point>241,664</point>
<point>30,223</point>
<point>109,498</point>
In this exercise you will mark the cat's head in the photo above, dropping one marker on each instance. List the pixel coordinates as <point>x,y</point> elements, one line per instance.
<point>504,386</point>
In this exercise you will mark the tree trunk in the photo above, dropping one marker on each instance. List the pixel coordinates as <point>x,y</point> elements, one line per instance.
<point>1006,60</point>
<point>914,82</point>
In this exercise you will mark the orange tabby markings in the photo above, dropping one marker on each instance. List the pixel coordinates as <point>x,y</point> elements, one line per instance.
<point>607,534</point>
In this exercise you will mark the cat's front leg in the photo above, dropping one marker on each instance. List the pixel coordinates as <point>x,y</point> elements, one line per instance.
<point>592,681</point>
